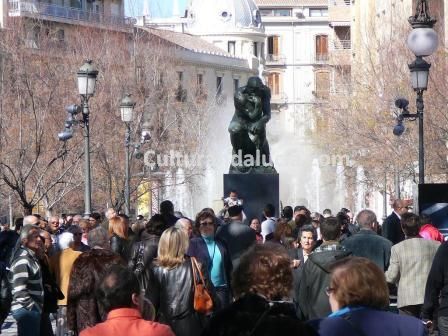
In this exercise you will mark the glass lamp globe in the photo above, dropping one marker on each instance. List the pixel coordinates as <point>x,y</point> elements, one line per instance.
<point>87,79</point>
<point>422,41</point>
<point>127,108</point>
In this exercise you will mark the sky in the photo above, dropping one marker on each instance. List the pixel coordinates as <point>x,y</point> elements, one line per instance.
<point>157,8</point>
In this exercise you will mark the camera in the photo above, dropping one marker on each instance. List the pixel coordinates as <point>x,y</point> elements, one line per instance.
<point>146,136</point>
<point>398,129</point>
<point>402,103</point>
<point>73,109</point>
<point>65,135</point>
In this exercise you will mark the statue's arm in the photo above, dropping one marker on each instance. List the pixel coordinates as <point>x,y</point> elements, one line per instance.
<point>266,104</point>
<point>239,101</point>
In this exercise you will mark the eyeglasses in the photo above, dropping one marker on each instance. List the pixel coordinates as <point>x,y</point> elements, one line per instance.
<point>206,223</point>
<point>329,290</point>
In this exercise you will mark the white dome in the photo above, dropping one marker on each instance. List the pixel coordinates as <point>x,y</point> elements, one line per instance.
<point>223,16</point>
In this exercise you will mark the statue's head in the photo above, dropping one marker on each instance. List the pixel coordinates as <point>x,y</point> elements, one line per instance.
<point>254,84</point>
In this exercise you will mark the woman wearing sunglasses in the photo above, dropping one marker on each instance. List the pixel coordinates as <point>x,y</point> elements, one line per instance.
<point>214,256</point>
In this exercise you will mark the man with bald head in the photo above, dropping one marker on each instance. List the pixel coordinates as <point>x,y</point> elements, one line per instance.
<point>30,220</point>
<point>391,225</point>
<point>367,243</point>
<point>186,225</point>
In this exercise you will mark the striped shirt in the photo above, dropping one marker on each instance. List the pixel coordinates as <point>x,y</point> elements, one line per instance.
<point>26,281</point>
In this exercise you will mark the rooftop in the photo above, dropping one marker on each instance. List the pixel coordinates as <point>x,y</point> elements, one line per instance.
<point>189,42</point>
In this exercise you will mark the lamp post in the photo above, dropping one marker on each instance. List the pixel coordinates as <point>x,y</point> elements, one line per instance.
<point>127,110</point>
<point>86,87</point>
<point>422,41</point>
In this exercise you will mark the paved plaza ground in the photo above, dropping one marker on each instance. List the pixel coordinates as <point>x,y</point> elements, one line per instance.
<point>10,326</point>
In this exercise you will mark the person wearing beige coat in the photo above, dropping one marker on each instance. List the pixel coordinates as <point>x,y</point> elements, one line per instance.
<point>61,264</point>
<point>409,267</point>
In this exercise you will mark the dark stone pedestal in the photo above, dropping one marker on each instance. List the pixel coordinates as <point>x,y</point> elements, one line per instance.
<point>256,190</point>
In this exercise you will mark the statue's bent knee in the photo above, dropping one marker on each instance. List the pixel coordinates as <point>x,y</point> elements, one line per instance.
<point>235,127</point>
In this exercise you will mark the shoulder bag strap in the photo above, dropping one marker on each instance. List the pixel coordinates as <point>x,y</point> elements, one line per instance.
<point>194,261</point>
<point>193,268</point>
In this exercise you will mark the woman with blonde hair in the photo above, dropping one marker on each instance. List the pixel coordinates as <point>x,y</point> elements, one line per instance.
<point>171,285</point>
<point>118,232</point>
<point>359,298</point>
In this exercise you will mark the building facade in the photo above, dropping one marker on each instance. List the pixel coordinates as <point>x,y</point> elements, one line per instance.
<point>220,46</point>
<point>68,14</point>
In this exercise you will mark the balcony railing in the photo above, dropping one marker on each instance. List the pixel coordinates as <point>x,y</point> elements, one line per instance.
<point>275,59</point>
<point>342,44</point>
<point>342,2</point>
<point>19,7</point>
<point>341,89</point>
<point>279,98</point>
<point>322,57</point>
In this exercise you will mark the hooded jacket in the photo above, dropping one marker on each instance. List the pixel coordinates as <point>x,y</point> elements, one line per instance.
<point>313,301</point>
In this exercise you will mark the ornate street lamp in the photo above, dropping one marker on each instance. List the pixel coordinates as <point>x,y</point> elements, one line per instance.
<point>86,75</point>
<point>422,41</point>
<point>86,88</point>
<point>127,110</point>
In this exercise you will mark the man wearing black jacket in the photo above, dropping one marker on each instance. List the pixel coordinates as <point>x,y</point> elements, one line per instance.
<point>391,228</point>
<point>437,287</point>
<point>313,301</point>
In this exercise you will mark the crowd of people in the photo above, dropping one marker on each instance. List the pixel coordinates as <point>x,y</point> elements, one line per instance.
<point>299,273</point>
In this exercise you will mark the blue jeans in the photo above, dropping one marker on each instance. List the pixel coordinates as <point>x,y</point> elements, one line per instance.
<point>28,321</point>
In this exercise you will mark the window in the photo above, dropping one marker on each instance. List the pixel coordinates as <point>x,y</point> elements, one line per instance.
<point>321,48</point>
<point>322,84</point>
<point>32,38</point>
<point>342,38</point>
<point>218,86</point>
<point>282,12</point>
<point>231,47</point>
<point>273,45</point>
<point>200,86</point>
<point>318,12</point>
<point>236,84</point>
<point>76,4</point>
<point>274,83</point>
<point>256,49</point>
<point>276,12</point>
<point>60,35</point>
<point>181,94</point>
<point>200,80</point>
<point>159,80</point>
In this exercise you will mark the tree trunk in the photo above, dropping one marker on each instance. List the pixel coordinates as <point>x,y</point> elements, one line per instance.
<point>27,209</point>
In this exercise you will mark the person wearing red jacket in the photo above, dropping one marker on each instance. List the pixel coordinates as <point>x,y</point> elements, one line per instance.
<point>119,295</point>
<point>429,231</point>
